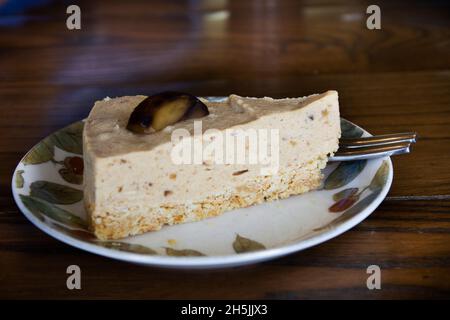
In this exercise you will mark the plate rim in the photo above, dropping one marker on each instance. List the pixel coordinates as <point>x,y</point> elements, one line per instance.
<point>218,261</point>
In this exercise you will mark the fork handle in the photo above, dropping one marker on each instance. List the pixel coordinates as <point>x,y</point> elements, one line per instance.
<point>378,140</point>
<point>350,154</point>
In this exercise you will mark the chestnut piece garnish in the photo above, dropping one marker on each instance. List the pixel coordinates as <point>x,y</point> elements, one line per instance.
<point>158,111</point>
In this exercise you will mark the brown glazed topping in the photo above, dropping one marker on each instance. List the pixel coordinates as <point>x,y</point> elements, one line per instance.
<point>158,111</point>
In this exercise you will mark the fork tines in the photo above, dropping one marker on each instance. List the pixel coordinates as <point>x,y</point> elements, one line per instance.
<point>374,147</point>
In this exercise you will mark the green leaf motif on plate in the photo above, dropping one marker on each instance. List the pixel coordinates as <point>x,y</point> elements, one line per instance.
<point>124,246</point>
<point>242,244</point>
<point>344,204</point>
<point>40,153</point>
<point>81,234</point>
<point>349,130</point>
<point>72,171</point>
<point>380,178</point>
<point>360,206</point>
<point>345,194</point>
<point>350,213</point>
<point>183,253</point>
<point>69,138</point>
<point>19,179</point>
<point>344,173</point>
<point>70,177</point>
<point>344,199</point>
<point>55,193</point>
<point>40,206</point>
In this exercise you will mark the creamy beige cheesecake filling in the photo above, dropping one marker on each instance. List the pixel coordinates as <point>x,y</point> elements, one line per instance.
<point>132,186</point>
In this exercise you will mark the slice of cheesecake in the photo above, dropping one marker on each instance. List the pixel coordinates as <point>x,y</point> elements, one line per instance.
<point>137,181</point>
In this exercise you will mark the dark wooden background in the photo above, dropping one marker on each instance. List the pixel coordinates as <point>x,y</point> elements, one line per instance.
<point>389,80</point>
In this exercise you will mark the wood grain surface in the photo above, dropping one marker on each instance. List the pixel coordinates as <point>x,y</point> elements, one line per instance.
<point>389,80</point>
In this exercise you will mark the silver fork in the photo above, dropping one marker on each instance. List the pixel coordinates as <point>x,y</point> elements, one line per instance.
<point>374,147</point>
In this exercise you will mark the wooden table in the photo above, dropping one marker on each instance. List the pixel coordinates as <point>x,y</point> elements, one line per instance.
<point>389,80</point>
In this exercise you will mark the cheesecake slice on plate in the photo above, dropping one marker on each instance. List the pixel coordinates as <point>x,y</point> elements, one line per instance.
<point>172,158</point>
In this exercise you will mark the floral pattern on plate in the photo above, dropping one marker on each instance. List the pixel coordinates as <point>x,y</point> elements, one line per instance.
<point>47,186</point>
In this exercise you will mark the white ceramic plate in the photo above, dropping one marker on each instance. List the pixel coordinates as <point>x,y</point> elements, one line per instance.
<point>47,186</point>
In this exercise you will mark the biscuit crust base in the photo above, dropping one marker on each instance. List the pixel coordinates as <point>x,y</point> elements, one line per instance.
<point>108,224</point>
